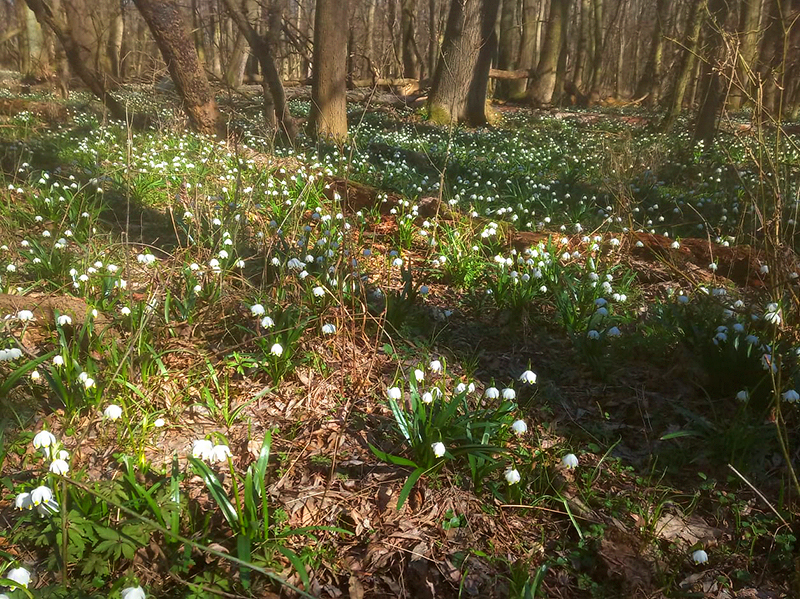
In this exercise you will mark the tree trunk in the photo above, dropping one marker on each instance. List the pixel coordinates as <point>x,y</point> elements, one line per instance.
<point>115,38</point>
<point>328,116</point>
<point>749,17</point>
<point>276,110</point>
<point>650,83</point>
<point>771,55</point>
<point>433,38</point>
<point>561,67</point>
<point>694,23</point>
<point>197,32</point>
<point>395,38</point>
<point>163,17</point>
<point>712,91</point>
<point>508,49</point>
<point>458,93</point>
<point>527,47</point>
<point>408,15</point>
<point>234,69</point>
<point>597,57</point>
<point>544,85</point>
<point>581,54</point>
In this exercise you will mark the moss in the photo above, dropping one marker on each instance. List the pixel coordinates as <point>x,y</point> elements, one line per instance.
<point>438,114</point>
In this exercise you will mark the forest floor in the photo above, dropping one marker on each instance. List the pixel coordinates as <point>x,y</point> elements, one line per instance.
<point>610,259</point>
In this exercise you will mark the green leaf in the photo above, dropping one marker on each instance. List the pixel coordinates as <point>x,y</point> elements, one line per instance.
<point>392,459</point>
<point>17,374</point>
<point>298,564</point>
<point>408,486</point>
<point>216,490</point>
<point>402,422</point>
<point>679,434</point>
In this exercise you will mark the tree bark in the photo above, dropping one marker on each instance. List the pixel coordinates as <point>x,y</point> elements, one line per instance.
<point>581,54</point>
<point>408,15</point>
<point>328,116</point>
<point>164,19</point>
<point>712,89</point>
<point>115,38</point>
<point>458,93</point>
<point>748,33</point>
<point>541,92</point>
<point>433,38</point>
<point>561,65</point>
<point>599,47</point>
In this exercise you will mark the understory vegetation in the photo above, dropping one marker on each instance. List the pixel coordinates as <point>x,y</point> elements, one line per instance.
<point>557,357</point>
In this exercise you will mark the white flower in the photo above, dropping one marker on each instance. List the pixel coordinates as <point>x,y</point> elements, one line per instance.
<point>276,350</point>
<point>519,427</point>
<point>64,319</point>
<point>257,310</point>
<point>397,262</point>
<point>593,334</point>
<point>125,311</point>
<point>438,449</point>
<point>88,382</point>
<point>44,439</point>
<point>419,375</point>
<point>201,448</point>
<point>512,476</point>
<point>267,322</point>
<point>328,329</point>
<point>613,332</point>
<point>113,412</point>
<point>427,397</point>
<point>133,593</point>
<point>318,291</point>
<point>569,461</point>
<point>509,394</point>
<point>159,422</point>
<point>492,393</point>
<point>394,393</point>
<point>23,501</point>
<point>59,467</point>
<point>528,377</point>
<point>25,315</point>
<point>699,557</point>
<point>435,366</point>
<point>773,317</point>
<point>20,576</point>
<point>41,494</point>
<point>424,290</point>
<point>219,453</point>
<point>791,396</point>
<point>743,395</point>
<point>295,264</point>
<point>460,388</point>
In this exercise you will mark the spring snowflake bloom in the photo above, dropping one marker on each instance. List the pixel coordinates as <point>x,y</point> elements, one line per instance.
<point>427,397</point>
<point>219,453</point>
<point>159,422</point>
<point>23,501</point>
<point>512,476</point>
<point>435,366</point>
<point>19,576</point>
<point>113,412</point>
<point>25,315</point>
<point>125,311</point>
<point>593,334</point>
<point>791,396</point>
<point>509,394</point>
<point>64,320</point>
<point>569,461</point>
<point>519,427</point>
<point>133,593</point>
<point>319,291</point>
<point>438,449</point>
<point>257,310</point>
<point>41,494</point>
<point>699,557</point>
<point>743,395</point>
<point>460,388</point>
<point>44,439</point>
<point>394,393</point>
<point>201,448</point>
<point>328,329</point>
<point>419,375</point>
<point>267,322</point>
<point>528,377</point>
<point>492,393</point>
<point>613,332</point>
<point>60,467</point>
<point>773,315</point>
<point>276,350</point>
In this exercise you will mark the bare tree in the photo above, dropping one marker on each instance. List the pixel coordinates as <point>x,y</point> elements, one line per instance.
<point>544,84</point>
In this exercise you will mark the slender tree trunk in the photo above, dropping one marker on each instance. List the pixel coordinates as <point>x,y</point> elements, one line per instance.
<point>116,35</point>
<point>712,92</point>
<point>509,45</point>
<point>541,91</point>
<point>749,16</point>
<point>328,116</point>
<point>561,65</point>
<point>458,93</point>
<point>581,54</point>
<point>164,19</point>
<point>694,24</point>
<point>433,38</point>
<point>25,62</point>
<point>408,15</point>
<point>619,83</point>
<point>197,32</point>
<point>369,43</point>
<point>395,37</point>
<point>234,69</point>
<point>597,57</point>
<point>527,47</point>
<point>771,54</point>
<point>650,83</point>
